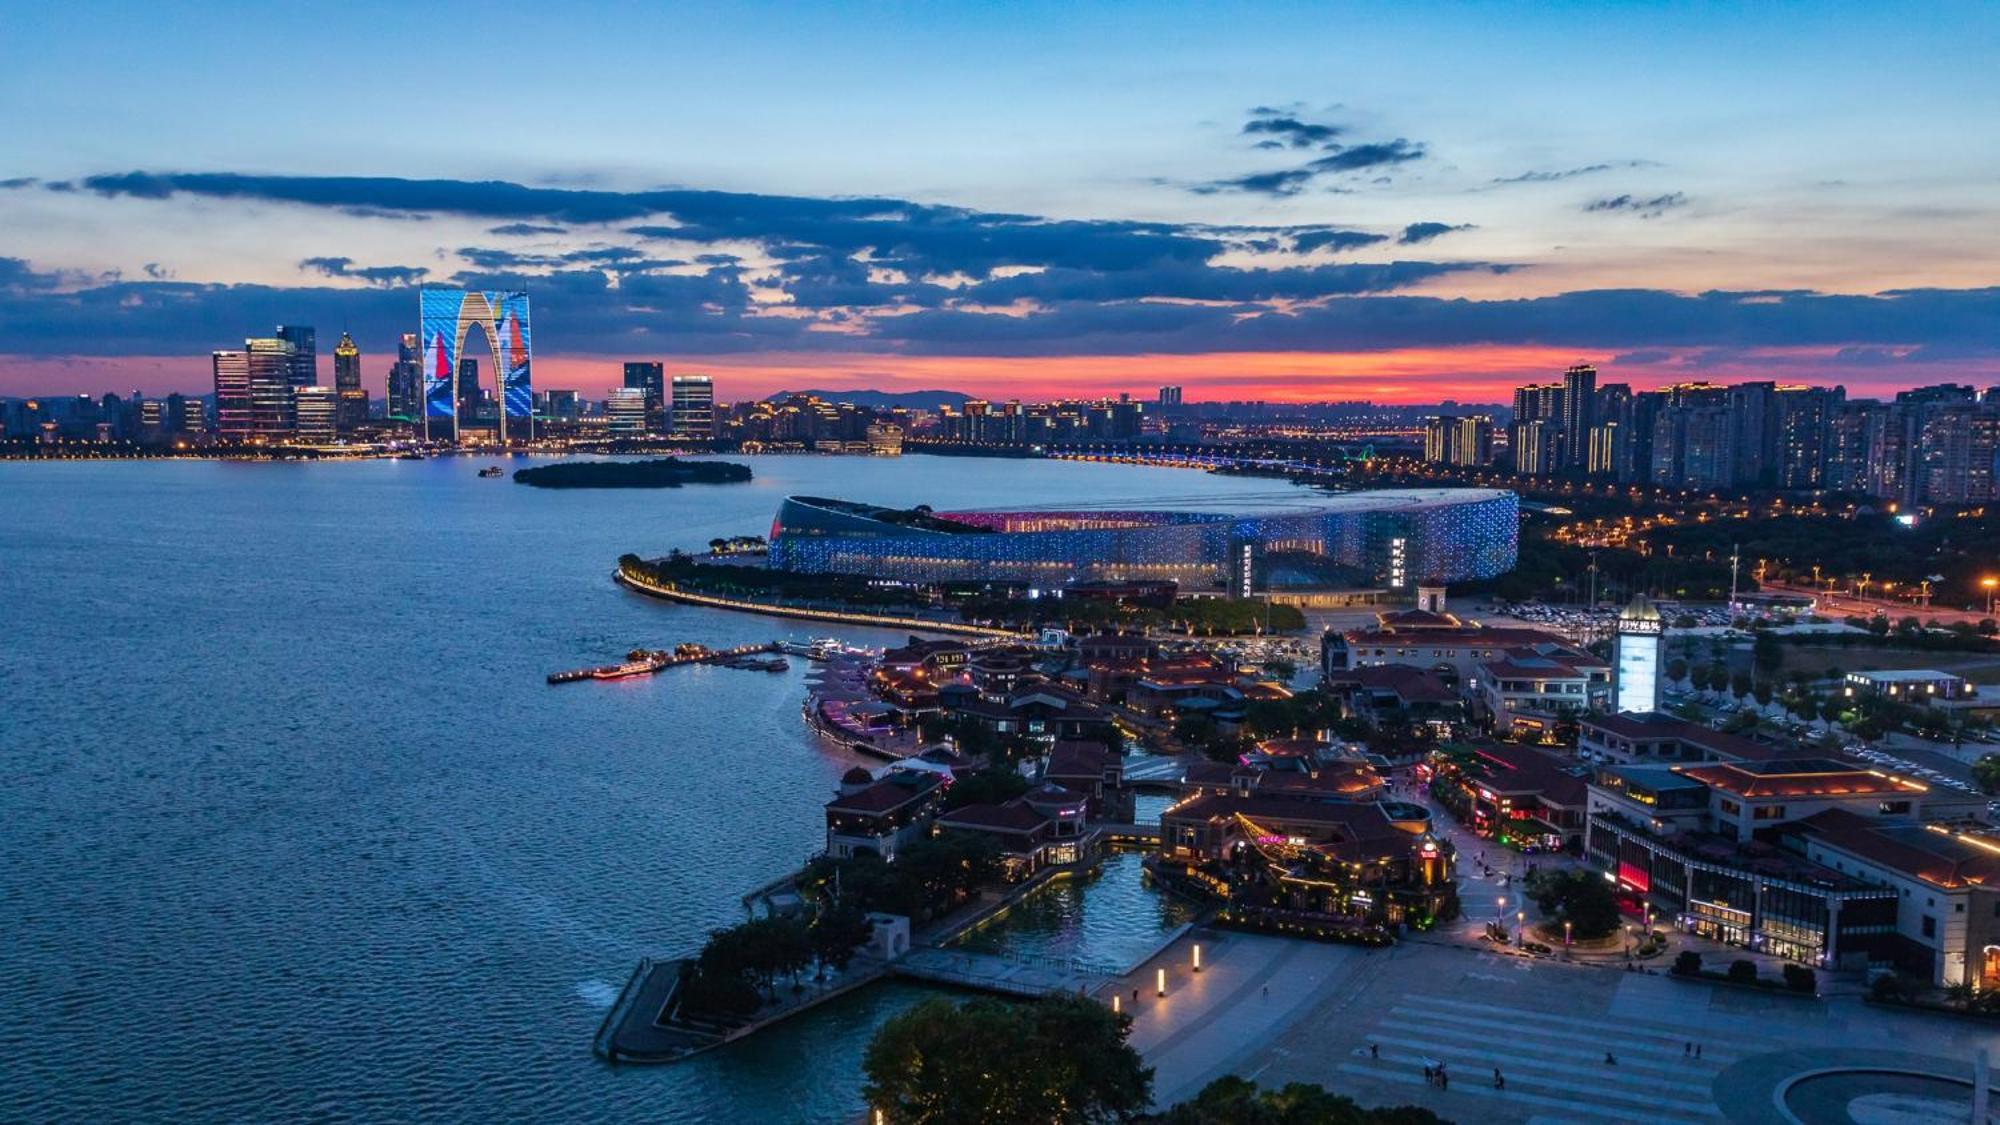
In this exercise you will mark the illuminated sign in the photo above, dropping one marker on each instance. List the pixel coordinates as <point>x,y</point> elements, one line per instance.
<point>501,316</point>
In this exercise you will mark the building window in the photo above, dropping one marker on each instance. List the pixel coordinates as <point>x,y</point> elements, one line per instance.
<point>1771,812</point>
<point>1893,808</point>
<point>1930,926</point>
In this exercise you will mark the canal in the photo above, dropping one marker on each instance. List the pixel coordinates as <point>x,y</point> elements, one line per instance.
<point>1116,915</point>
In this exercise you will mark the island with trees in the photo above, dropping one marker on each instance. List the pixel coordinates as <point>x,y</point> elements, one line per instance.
<point>661,472</point>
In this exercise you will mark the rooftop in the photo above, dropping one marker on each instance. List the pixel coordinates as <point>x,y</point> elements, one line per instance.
<point>1799,777</point>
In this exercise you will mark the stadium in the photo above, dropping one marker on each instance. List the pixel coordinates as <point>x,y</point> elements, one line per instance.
<point>1392,538</point>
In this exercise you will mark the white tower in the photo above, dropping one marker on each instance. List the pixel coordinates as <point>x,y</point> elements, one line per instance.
<point>1636,679</point>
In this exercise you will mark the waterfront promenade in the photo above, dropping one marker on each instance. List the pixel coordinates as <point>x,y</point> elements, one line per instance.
<point>809,613</point>
<point>1366,1022</point>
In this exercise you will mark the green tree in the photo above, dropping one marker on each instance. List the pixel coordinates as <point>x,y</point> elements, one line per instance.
<point>990,786</point>
<point>1231,1100</point>
<point>1986,771</point>
<point>1581,898</point>
<point>1066,1060</point>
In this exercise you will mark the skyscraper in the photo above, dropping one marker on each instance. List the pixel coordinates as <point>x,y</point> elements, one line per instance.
<point>1170,396</point>
<point>1455,440</point>
<point>694,407</point>
<point>1636,678</point>
<point>303,367</point>
<point>316,411</point>
<point>353,400</point>
<point>406,381</point>
<point>1579,413</point>
<point>625,412</point>
<point>471,397</point>
<point>652,379</point>
<point>273,363</point>
<point>232,394</point>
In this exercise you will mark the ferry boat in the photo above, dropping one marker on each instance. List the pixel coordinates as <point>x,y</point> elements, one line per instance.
<point>492,471</point>
<point>629,668</point>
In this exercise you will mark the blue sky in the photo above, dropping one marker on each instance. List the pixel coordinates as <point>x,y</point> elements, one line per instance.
<point>1664,151</point>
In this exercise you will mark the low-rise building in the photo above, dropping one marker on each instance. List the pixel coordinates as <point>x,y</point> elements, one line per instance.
<point>880,815</point>
<point>1654,736</point>
<point>1515,795</point>
<point>1308,860</point>
<point>1946,880</point>
<point>1907,685</point>
<point>1048,825</point>
<point>1397,694</point>
<point>1529,692</point>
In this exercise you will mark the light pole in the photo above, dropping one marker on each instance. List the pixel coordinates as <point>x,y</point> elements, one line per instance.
<point>1992,586</point>
<point>1566,926</point>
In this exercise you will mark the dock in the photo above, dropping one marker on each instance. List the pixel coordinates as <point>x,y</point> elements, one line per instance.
<point>766,657</point>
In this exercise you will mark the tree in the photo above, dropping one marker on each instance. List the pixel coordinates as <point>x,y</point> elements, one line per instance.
<point>990,786</point>
<point>1766,654</point>
<point>1687,963</point>
<point>1677,670</point>
<point>1066,1061</point>
<point>1986,771</point>
<point>1743,971</point>
<point>1581,898</point>
<point>836,934</point>
<point>1231,1100</point>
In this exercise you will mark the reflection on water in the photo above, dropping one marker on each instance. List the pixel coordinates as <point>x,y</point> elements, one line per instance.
<point>1116,915</point>
<point>1147,807</point>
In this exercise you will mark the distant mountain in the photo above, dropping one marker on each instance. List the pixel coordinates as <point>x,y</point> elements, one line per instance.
<point>885,400</point>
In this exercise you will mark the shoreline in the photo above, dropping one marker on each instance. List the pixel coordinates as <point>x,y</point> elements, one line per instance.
<point>769,609</point>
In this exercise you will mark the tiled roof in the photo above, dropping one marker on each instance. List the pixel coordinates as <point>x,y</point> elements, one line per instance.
<point>888,794</point>
<point>1799,777</point>
<point>1012,817</point>
<point>1934,854</point>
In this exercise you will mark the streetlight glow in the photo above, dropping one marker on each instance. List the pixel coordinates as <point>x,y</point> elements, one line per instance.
<point>1161,982</point>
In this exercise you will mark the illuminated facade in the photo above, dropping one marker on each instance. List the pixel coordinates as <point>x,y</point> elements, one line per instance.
<point>1636,686</point>
<point>448,315</point>
<point>1391,537</point>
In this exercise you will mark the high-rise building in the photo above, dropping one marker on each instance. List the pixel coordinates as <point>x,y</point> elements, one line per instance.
<point>304,362</point>
<point>353,400</point>
<point>1957,446</point>
<point>1535,444</point>
<point>273,364</point>
<point>471,396</point>
<point>316,411</point>
<point>885,439</point>
<point>1606,443</point>
<point>1804,417</point>
<point>1170,396</point>
<point>406,381</point>
<point>1579,413</point>
<point>1635,684</point>
<point>1848,426</point>
<point>1465,441</point>
<point>652,379</point>
<point>625,413</point>
<point>562,405</point>
<point>232,394</point>
<point>693,408</point>
<point>1754,434</point>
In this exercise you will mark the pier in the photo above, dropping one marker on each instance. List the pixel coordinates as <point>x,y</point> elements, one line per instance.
<point>642,662</point>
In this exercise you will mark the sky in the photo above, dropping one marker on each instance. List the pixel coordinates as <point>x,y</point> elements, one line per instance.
<point>1405,202</point>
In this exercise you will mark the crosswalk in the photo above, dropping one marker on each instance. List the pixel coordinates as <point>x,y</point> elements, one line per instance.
<point>1554,1064</point>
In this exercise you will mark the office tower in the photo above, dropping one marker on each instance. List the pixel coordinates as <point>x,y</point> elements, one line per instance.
<point>304,362</point>
<point>406,381</point>
<point>1170,396</point>
<point>353,400</point>
<point>232,394</point>
<point>187,414</point>
<point>1636,674</point>
<point>693,408</point>
<point>652,379</point>
<point>1579,407</point>
<point>625,413</point>
<point>1438,439</point>
<point>267,383</point>
<point>316,413</point>
<point>563,405</point>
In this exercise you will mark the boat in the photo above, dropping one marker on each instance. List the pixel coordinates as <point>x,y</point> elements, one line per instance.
<point>492,471</point>
<point>629,668</point>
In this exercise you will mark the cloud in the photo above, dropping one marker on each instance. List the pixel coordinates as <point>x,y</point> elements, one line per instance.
<point>1337,159</point>
<point>18,182</point>
<point>1336,240</point>
<point>1549,177</point>
<point>526,229</point>
<point>157,272</point>
<point>1644,207</point>
<point>1424,232</point>
<point>1283,129</point>
<point>373,275</point>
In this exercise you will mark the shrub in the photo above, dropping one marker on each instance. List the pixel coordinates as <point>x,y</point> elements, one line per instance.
<point>1688,964</point>
<point>1798,978</point>
<point>1886,987</point>
<point>1743,972</point>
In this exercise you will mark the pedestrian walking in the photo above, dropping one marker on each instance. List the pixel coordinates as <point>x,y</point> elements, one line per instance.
<point>1430,1076</point>
<point>1697,1051</point>
<point>1610,1059</point>
<point>1374,1050</point>
<point>1499,1080</point>
<point>1267,992</point>
<point>1444,1080</point>
<point>1687,1049</point>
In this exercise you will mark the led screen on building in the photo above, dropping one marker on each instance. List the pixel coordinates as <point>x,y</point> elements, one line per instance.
<point>502,316</point>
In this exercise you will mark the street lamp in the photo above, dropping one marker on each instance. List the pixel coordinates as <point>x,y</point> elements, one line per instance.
<point>1197,958</point>
<point>1566,926</point>
<point>1520,927</point>
<point>1991,584</point>
<point>1161,982</point>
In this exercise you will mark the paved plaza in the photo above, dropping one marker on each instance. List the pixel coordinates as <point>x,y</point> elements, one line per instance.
<point>1365,1023</point>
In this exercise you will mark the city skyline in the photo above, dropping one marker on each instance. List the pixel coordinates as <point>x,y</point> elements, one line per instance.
<point>1722,195</point>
